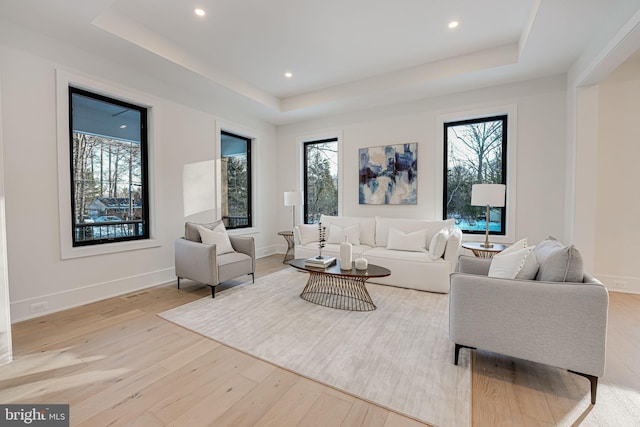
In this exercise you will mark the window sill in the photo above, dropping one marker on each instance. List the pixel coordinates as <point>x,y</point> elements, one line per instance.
<point>108,248</point>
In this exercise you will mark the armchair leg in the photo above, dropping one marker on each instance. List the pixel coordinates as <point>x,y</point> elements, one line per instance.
<point>594,384</point>
<point>253,278</point>
<point>178,282</point>
<point>456,352</point>
<point>213,291</point>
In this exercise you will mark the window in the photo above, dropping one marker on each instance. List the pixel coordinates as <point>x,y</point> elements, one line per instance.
<point>475,153</point>
<point>320,179</point>
<point>235,172</point>
<point>108,158</point>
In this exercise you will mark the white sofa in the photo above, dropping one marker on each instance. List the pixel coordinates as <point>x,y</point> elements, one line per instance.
<point>411,266</point>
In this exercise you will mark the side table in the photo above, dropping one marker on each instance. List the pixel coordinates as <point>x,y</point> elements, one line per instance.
<point>288,236</point>
<point>482,252</point>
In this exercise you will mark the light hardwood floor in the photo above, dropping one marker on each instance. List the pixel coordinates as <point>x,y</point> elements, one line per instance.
<point>117,363</point>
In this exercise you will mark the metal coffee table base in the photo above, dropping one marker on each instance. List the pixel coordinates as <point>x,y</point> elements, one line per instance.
<point>344,293</point>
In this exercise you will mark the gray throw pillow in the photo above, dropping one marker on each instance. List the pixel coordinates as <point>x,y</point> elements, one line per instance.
<point>192,233</point>
<point>558,263</point>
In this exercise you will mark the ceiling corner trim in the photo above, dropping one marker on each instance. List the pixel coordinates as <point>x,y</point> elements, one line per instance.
<point>129,30</point>
<point>417,76</point>
<point>524,37</point>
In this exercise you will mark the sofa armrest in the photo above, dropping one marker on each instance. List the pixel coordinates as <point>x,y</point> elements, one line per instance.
<point>452,250</point>
<point>196,261</point>
<point>556,323</point>
<point>245,245</point>
<point>473,265</point>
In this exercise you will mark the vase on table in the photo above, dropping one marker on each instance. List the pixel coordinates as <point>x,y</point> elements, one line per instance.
<point>346,255</point>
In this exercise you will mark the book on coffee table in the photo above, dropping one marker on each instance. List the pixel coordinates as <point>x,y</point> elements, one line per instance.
<point>322,262</point>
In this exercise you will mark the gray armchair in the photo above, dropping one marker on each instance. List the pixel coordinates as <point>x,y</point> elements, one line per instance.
<point>560,324</point>
<point>199,262</point>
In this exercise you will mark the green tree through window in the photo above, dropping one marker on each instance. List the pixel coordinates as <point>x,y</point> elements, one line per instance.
<point>475,153</point>
<point>236,180</point>
<point>320,179</point>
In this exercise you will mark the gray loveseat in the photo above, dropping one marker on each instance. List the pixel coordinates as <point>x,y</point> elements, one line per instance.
<point>562,324</point>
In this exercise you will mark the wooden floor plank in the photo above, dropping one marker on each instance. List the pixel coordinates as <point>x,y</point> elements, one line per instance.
<point>327,410</point>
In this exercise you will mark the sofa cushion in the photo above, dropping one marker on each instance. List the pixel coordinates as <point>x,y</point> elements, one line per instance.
<point>516,263</point>
<point>337,234</point>
<point>308,233</point>
<point>415,241</point>
<point>367,226</point>
<point>218,236</point>
<point>384,253</point>
<point>558,263</point>
<point>192,233</point>
<point>438,244</point>
<point>408,225</point>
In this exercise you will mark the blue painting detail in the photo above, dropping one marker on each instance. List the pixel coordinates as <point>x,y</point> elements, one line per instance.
<point>389,175</point>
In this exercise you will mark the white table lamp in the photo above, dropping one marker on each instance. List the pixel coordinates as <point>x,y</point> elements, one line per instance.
<point>293,198</point>
<point>487,195</point>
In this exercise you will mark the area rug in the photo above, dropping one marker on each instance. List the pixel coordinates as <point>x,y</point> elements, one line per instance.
<point>398,356</point>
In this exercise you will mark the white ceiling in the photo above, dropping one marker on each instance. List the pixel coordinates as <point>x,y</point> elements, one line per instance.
<point>344,54</point>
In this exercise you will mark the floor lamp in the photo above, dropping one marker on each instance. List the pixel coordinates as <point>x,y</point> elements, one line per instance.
<point>487,195</point>
<point>293,198</point>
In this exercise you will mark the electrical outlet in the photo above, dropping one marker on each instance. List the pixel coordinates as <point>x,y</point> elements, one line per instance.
<point>621,284</point>
<point>38,307</point>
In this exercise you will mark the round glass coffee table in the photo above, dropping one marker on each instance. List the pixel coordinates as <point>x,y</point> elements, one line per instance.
<point>342,289</point>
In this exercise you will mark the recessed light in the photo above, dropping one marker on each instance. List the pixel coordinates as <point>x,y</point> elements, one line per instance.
<point>123,126</point>
<point>453,24</point>
<point>288,74</point>
<point>199,12</point>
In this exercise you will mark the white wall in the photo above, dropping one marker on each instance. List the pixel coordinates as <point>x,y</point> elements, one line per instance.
<point>618,205</point>
<point>184,135</point>
<point>540,159</point>
<point>6,354</point>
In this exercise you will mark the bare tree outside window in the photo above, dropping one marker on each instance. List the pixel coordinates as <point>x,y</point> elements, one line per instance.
<point>475,154</point>
<point>108,159</point>
<point>320,179</point>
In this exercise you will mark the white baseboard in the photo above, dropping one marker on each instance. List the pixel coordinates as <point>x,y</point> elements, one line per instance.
<point>268,250</point>
<point>628,285</point>
<point>51,303</point>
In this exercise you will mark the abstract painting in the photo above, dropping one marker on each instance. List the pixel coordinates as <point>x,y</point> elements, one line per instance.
<point>389,175</point>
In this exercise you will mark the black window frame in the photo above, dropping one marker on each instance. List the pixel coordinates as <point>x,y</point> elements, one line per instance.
<point>144,166</point>
<point>249,142</point>
<point>504,118</point>
<point>305,181</point>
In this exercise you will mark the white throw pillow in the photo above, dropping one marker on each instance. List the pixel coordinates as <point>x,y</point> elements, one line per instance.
<point>337,234</point>
<point>218,236</point>
<point>509,264</point>
<point>308,233</point>
<point>520,244</point>
<point>438,244</point>
<point>415,241</point>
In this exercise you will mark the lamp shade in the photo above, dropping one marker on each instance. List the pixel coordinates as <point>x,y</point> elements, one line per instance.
<point>293,198</point>
<point>488,195</point>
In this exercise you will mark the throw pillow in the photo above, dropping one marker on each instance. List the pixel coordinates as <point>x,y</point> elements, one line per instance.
<point>412,242</point>
<point>558,263</point>
<point>509,265</point>
<point>308,233</point>
<point>337,234</point>
<point>520,244</point>
<point>218,236</point>
<point>192,233</point>
<point>438,244</point>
